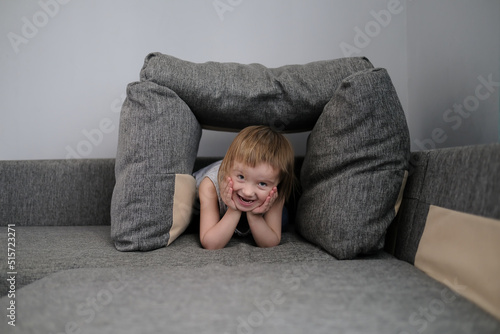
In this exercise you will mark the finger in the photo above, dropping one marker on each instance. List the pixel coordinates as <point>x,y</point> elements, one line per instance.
<point>229,185</point>
<point>228,194</point>
<point>273,195</point>
<point>264,207</point>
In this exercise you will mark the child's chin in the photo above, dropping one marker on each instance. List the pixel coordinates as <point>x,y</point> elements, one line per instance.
<point>244,208</point>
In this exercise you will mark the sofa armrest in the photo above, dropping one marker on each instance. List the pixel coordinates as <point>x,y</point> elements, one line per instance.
<point>464,179</point>
<point>448,225</point>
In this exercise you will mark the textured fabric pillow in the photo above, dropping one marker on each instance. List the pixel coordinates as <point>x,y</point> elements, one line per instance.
<point>154,192</point>
<point>231,96</point>
<point>354,167</point>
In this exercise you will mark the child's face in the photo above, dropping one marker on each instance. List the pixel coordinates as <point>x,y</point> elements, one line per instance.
<point>252,185</point>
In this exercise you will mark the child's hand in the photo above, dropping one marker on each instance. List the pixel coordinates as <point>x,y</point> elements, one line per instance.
<point>227,193</point>
<point>268,203</point>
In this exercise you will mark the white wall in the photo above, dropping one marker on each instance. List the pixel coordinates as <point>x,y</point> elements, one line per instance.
<point>65,65</point>
<point>453,72</point>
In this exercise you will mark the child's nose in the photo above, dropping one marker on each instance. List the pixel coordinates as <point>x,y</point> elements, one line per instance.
<point>247,190</point>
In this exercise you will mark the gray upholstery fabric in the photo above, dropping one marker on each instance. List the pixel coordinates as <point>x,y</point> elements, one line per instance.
<point>43,250</point>
<point>465,179</point>
<point>59,192</point>
<point>405,234</point>
<point>413,228</point>
<point>56,192</point>
<point>158,139</point>
<point>472,181</point>
<point>71,278</point>
<point>233,96</point>
<point>381,295</point>
<point>354,167</point>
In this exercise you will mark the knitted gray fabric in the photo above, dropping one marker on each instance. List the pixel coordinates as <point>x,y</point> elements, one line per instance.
<point>371,295</point>
<point>233,96</point>
<point>158,139</point>
<point>72,279</point>
<point>354,167</point>
<point>44,250</point>
<point>56,192</point>
<point>470,184</point>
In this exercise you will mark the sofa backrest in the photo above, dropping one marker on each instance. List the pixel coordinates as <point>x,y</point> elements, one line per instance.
<point>464,179</point>
<point>56,192</point>
<point>78,192</point>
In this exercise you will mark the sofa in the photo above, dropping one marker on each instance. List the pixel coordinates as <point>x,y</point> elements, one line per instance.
<point>69,277</point>
<point>379,240</point>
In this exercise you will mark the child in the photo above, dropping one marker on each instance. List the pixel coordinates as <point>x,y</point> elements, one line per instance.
<point>254,179</point>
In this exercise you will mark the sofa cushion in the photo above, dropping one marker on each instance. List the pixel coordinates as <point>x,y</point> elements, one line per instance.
<point>157,145</point>
<point>457,244</point>
<point>231,96</point>
<point>372,295</point>
<point>43,250</point>
<point>354,168</point>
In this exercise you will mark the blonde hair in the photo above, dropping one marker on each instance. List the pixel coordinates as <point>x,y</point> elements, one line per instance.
<point>261,144</point>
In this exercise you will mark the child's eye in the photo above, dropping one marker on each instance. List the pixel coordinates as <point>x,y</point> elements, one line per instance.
<point>262,184</point>
<point>240,177</point>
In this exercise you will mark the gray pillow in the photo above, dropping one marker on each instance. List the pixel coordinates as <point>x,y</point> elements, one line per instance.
<point>354,167</point>
<point>231,96</point>
<point>155,191</point>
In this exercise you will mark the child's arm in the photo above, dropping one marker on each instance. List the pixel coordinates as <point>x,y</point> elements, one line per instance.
<point>215,233</point>
<point>265,222</point>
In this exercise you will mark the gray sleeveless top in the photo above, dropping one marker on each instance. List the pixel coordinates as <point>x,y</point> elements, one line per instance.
<point>211,171</point>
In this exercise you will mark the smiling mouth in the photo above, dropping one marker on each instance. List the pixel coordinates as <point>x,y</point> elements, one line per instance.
<point>245,201</point>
